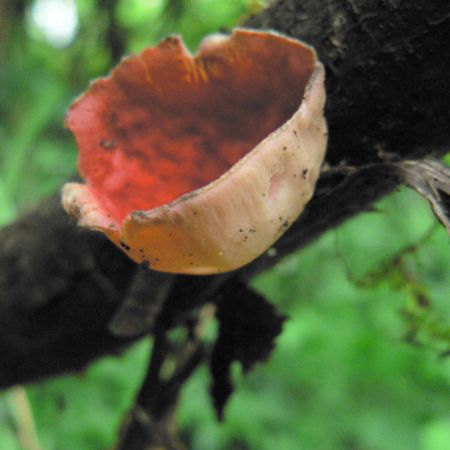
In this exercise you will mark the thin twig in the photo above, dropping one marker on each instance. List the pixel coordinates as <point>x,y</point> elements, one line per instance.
<point>24,420</point>
<point>151,423</point>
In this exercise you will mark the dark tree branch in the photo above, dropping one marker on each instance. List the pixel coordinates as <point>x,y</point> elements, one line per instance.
<point>387,84</point>
<point>151,423</point>
<point>340,194</point>
<point>114,32</point>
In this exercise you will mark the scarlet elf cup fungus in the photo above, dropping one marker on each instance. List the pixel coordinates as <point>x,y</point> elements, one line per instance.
<point>198,164</point>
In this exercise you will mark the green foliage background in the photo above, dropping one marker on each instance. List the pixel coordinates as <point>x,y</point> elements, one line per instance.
<point>362,362</point>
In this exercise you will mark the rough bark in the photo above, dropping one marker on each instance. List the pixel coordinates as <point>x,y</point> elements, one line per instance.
<point>388,94</point>
<point>386,82</point>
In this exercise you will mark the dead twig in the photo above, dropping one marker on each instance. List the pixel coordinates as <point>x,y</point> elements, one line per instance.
<point>151,423</point>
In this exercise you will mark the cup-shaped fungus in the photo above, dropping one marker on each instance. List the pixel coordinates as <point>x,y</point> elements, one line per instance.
<point>198,164</point>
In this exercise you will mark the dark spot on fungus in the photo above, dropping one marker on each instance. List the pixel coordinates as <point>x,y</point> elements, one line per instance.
<point>285,223</point>
<point>169,41</point>
<point>191,129</point>
<point>124,246</point>
<point>138,215</point>
<point>107,144</point>
<point>188,196</point>
<point>304,173</point>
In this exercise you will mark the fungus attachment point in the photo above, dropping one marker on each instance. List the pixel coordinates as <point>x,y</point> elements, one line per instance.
<point>197,164</point>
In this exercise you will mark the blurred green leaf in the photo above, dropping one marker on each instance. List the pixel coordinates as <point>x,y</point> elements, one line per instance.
<point>85,411</point>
